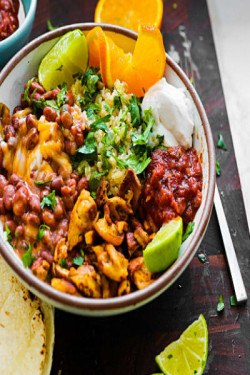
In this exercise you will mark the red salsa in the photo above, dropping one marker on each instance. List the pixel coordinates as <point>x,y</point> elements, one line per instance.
<point>8,17</point>
<point>173,185</point>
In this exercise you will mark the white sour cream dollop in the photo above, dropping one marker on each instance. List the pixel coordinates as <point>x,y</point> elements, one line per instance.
<point>172,111</point>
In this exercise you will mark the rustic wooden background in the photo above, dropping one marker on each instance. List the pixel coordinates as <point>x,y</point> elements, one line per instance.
<point>127,344</point>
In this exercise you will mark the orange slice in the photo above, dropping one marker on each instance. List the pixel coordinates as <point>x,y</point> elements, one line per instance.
<point>140,70</point>
<point>130,13</point>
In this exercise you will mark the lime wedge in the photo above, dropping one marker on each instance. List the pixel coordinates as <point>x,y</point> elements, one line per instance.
<point>68,56</point>
<point>163,250</point>
<point>188,355</point>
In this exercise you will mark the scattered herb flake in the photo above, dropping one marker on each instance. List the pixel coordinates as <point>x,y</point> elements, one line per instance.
<point>61,96</point>
<point>49,200</point>
<point>233,301</point>
<point>42,182</point>
<point>170,356</point>
<point>63,263</point>
<point>27,258</point>
<point>221,143</point>
<point>217,168</point>
<point>78,261</point>
<point>202,258</point>
<point>188,231</point>
<point>134,111</point>
<point>220,305</point>
<point>8,233</point>
<point>117,103</point>
<point>89,149</point>
<point>50,27</point>
<point>60,68</point>
<point>40,233</point>
<point>192,80</point>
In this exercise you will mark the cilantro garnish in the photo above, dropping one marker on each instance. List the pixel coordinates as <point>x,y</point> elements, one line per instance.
<point>188,231</point>
<point>42,182</point>
<point>8,233</point>
<point>202,258</point>
<point>40,233</point>
<point>117,103</point>
<point>61,96</point>
<point>89,80</point>
<point>221,143</point>
<point>60,68</point>
<point>220,305</point>
<point>89,149</point>
<point>26,92</point>
<point>92,110</point>
<point>134,111</point>
<point>50,27</point>
<point>78,261</point>
<point>233,301</point>
<point>99,124</point>
<point>217,168</point>
<point>63,263</point>
<point>49,200</point>
<point>27,258</point>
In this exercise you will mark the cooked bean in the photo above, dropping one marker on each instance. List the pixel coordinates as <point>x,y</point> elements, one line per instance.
<point>31,121</point>
<point>50,114</point>
<point>32,139</point>
<point>20,201</point>
<point>83,184</point>
<point>57,184</point>
<point>70,147</point>
<point>47,256</point>
<point>65,116</point>
<point>33,219</point>
<point>2,208</point>
<point>19,231</point>
<point>59,209</point>
<point>36,86</point>
<point>68,202</point>
<point>3,183</point>
<point>23,244</point>
<point>17,109</point>
<point>49,218</point>
<point>24,104</point>
<point>20,184</point>
<point>9,132</point>
<point>75,177</point>
<point>12,142</point>
<point>14,179</point>
<point>77,132</point>
<point>62,228</point>
<point>51,95</point>
<point>47,239</point>
<point>65,191</point>
<point>70,97</point>
<point>8,195</point>
<point>35,204</point>
<point>36,96</point>
<point>11,225</point>
<point>15,123</point>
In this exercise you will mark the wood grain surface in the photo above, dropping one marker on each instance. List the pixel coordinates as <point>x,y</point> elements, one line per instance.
<point>127,344</point>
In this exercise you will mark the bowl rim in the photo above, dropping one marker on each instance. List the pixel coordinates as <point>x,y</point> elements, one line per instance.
<point>32,9</point>
<point>170,275</point>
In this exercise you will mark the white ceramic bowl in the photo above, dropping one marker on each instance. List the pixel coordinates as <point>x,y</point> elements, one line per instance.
<point>18,71</point>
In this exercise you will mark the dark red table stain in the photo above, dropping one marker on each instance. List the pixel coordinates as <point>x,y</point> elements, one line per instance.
<point>127,344</point>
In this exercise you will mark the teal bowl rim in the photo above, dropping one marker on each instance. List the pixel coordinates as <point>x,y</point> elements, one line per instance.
<point>27,20</point>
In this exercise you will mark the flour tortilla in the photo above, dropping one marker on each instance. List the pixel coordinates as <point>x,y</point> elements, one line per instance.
<point>26,329</point>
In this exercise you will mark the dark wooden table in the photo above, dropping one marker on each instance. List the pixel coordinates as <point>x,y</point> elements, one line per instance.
<point>127,344</point>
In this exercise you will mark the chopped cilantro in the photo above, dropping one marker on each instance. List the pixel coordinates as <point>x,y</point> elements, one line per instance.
<point>191,79</point>
<point>170,356</point>
<point>188,231</point>
<point>92,110</point>
<point>27,258</point>
<point>117,103</point>
<point>89,150</point>
<point>78,261</point>
<point>99,124</point>
<point>49,200</point>
<point>26,92</point>
<point>202,258</point>
<point>134,111</point>
<point>60,68</point>
<point>40,233</point>
<point>220,305</point>
<point>42,182</point>
<point>61,96</point>
<point>8,233</point>
<point>89,79</point>
<point>16,234</point>
<point>108,109</point>
<point>221,143</point>
<point>233,301</point>
<point>63,263</point>
<point>50,27</point>
<point>217,168</point>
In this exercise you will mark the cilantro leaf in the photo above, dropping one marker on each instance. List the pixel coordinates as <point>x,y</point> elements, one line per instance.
<point>26,93</point>
<point>40,233</point>
<point>134,111</point>
<point>100,124</point>
<point>92,110</point>
<point>233,301</point>
<point>63,263</point>
<point>42,182</point>
<point>78,261</point>
<point>49,200</point>
<point>220,305</point>
<point>50,27</point>
<point>117,103</point>
<point>8,233</point>
<point>217,168</point>
<point>61,96</point>
<point>202,258</point>
<point>221,143</point>
<point>89,149</point>
<point>60,68</point>
<point>89,80</point>
<point>188,231</point>
<point>27,258</point>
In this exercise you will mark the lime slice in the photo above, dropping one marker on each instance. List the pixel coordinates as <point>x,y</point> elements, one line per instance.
<point>188,355</point>
<point>68,56</point>
<point>163,250</point>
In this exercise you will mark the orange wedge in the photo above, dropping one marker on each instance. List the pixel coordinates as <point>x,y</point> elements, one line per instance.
<point>140,70</point>
<point>130,13</point>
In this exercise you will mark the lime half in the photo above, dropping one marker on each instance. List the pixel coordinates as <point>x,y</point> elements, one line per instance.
<point>188,355</point>
<point>163,250</point>
<point>68,56</point>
